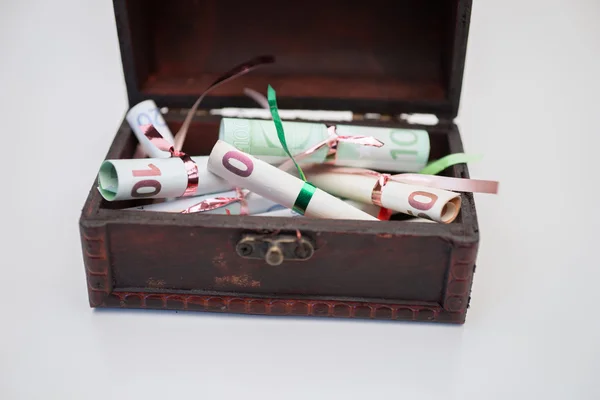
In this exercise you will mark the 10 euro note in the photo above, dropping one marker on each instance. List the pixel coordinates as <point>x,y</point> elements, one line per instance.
<point>156,178</point>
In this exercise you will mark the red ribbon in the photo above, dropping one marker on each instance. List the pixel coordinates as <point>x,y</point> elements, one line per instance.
<point>384,214</point>
<point>162,144</point>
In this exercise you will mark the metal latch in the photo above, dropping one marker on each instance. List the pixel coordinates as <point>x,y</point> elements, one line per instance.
<point>274,249</point>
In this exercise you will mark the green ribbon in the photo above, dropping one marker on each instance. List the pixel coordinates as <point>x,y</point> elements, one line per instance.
<point>308,189</point>
<point>438,166</point>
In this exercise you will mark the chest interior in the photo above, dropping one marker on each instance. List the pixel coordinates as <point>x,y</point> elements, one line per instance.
<point>382,55</point>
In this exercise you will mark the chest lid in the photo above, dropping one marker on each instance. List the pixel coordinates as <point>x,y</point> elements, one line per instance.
<point>383,56</point>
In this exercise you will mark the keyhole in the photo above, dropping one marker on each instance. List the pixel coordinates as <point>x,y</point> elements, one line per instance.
<point>274,256</point>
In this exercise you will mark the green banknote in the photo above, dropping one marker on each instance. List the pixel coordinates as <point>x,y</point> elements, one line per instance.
<point>403,150</point>
<point>259,138</point>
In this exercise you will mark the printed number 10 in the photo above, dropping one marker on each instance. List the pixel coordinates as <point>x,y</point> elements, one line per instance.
<point>146,183</point>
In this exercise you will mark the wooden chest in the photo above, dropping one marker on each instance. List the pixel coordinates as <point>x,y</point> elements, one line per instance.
<point>382,60</point>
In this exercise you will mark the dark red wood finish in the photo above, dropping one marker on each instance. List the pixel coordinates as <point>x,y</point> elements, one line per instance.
<point>379,270</point>
<point>189,261</point>
<point>386,56</point>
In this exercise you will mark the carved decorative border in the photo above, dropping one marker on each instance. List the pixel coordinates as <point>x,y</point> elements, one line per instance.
<point>99,281</point>
<point>460,278</point>
<point>97,268</point>
<point>281,307</point>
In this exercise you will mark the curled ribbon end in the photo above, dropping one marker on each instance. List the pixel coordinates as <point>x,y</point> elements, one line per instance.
<point>156,139</point>
<point>376,143</point>
<point>435,167</point>
<point>270,90</point>
<point>361,140</point>
<point>268,59</point>
<point>229,75</point>
<point>384,214</point>
<point>494,187</point>
<point>219,202</point>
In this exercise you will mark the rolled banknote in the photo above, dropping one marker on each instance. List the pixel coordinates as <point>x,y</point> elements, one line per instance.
<point>244,170</point>
<point>230,203</point>
<point>403,150</point>
<point>157,178</point>
<point>419,201</point>
<point>145,113</point>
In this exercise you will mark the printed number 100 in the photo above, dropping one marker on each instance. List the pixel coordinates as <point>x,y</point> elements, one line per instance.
<point>403,142</point>
<point>152,117</point>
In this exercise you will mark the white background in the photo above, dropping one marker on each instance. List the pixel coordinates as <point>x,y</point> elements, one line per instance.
<point>530,105</point>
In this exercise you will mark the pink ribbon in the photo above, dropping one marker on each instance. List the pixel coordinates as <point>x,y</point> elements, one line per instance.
<point>218,202</point>
<point>233,73</point>
<point>332,142</point>
<point>162,144</point>
<point>449,183</point>
<point>439,182</point>
<point>435,181</point>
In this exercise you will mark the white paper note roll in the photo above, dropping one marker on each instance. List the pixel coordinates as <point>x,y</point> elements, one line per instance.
<point>145,113</point>
<point>243,170</point>
<point>369,208</point>
<point>425,202</point>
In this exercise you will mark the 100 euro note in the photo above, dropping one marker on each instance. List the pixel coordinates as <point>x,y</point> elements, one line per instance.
<point>403,150</point>
<point>145,113</point>
<point>259,138</point>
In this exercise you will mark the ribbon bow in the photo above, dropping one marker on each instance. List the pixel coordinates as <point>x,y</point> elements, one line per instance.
<point>192,171</point>
<point>218,202</point>
<point>162,144</point>
<point>332,142</point>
